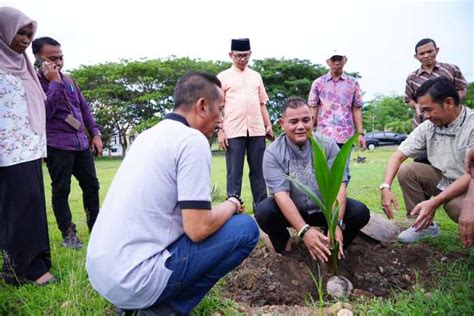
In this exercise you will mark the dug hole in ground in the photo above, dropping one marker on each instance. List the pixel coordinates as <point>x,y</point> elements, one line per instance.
<point>267,282</point>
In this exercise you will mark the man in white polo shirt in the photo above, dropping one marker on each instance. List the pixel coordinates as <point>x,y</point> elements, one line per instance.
<point>158,246</point>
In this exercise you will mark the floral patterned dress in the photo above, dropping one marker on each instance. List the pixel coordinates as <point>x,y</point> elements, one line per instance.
<point>18,142</point>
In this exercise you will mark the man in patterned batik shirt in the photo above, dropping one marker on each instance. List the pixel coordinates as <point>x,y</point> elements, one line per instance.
<point>426,52</point>
<point>337,103</point>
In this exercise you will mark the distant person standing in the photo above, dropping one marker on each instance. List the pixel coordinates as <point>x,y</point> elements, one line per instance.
<point>69,123</point>
<point>426,52</point>
<point>337,103</point>
<point>246,121</point>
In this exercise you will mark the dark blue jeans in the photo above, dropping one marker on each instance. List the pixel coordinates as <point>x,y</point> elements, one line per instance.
<point>198,266</point>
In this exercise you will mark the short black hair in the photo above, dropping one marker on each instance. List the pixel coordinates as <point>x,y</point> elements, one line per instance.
<point>293,103</point>
<point>439,89</point>
<point>38,44</point>
<point>194,85</point>
<point>424,42</point>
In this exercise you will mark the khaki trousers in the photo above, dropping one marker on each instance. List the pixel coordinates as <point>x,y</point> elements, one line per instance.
<point>418,183</point>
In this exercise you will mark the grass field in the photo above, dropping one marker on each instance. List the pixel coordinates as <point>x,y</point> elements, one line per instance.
<point>452,294</point>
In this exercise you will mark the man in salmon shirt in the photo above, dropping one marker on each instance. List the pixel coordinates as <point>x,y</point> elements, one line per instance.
<point>246,121</point>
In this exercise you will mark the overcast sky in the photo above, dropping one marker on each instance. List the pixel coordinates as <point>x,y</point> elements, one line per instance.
<point>378,36</point>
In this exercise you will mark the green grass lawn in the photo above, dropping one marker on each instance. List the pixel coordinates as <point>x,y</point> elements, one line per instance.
<point>453,292</point>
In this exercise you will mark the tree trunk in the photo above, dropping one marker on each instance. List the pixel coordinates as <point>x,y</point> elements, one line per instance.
<point>123,141</point>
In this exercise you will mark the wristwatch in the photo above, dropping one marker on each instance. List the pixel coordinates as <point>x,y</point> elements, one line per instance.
<point>384,186</point>
<point>341,224</point>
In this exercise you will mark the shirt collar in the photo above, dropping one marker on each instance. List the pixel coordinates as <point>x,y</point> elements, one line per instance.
<point>329,77</point>
<point>459,121</point>
<point>297,148</point>
<point>238,69</point>
<point>420,70</point>
<point>177,117</point>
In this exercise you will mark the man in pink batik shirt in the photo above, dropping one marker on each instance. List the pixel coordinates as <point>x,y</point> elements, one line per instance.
<point>337,103</point>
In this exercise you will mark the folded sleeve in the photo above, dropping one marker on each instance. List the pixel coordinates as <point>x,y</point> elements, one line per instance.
<point>274,174</point>
<point>415,143</point>
<point>194,174</point>
<point>313,98</point>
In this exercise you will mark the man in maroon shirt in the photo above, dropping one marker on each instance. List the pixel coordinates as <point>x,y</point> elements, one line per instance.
<point>426,52</point>
<point>69,124</point>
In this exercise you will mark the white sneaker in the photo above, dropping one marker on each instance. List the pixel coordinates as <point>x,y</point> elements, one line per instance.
<point>411,235</point>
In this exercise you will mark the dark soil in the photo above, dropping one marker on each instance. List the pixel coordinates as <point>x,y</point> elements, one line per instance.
<point>375,269</point>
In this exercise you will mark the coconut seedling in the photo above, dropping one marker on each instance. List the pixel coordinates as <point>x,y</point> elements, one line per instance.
<point>329,179</point>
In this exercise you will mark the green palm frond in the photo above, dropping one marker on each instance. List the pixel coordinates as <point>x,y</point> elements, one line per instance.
<point>329,179</point>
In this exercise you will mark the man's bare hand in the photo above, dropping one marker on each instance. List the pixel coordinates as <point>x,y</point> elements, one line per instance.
<point>426,211</point>
<point>362,143</point>
<point>269,133</point>
<point>417,109</point>
<point>50,71</point>
<point>96,145</point>
<point>387,199</point>
<point>317,245</point>
<point>340,239</point>
<point>466,222</point>
<point>222,139</point>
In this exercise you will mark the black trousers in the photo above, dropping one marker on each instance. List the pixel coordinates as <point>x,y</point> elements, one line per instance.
<point>23,225</point>
<point>62,164</point>
<point>235,154</point>
<point>272,221</point>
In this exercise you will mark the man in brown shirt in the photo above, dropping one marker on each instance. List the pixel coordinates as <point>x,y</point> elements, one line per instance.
<point>425,52</point>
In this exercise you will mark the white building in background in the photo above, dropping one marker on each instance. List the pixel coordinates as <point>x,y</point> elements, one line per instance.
<point>115,148</point>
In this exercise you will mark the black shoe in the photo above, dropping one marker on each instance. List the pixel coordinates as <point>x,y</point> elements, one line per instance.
<point>160,310</point>
<point>123,312</point>
<point>72,241</point>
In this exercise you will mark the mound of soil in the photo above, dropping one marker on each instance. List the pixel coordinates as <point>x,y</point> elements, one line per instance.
<point>375,269</point>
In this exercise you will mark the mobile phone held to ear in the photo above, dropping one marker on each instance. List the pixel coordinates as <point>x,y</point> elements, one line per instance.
<point>38,63</point>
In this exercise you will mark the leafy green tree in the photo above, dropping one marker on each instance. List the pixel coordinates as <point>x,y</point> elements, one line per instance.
<point>125,94</point>
<point>102,87</point>
<point>133,95</point>
<point>285,78</point>
<point>469,99</point>
<point>387,113</point>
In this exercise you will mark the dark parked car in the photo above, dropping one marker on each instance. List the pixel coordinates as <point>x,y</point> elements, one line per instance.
<point>376,139</point>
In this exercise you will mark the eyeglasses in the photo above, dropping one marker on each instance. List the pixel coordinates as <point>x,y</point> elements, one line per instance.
<point>241,56</point>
